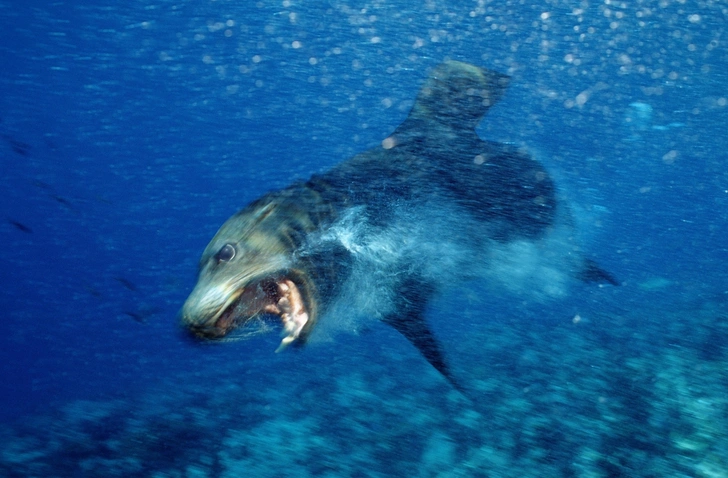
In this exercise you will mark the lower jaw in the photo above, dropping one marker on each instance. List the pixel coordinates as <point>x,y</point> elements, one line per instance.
<point>207,333</point>
<point>280,298</point>
<point>224,324</point>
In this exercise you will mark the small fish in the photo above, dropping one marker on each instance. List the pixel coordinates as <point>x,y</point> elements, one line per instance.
<point>143,314</point>
<point>136,316</point>
<point>42,185</point>
<point>126,283</point>
<point>20,226</point>
<point>19,147</point>
<point>63,201</point>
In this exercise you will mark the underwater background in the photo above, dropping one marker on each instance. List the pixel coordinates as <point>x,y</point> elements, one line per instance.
<point>129,131</point>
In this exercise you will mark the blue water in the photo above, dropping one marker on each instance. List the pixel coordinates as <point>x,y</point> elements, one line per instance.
<point>130,131</point>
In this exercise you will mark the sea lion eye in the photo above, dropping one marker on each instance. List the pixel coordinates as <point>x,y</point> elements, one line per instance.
<point>226,253</point>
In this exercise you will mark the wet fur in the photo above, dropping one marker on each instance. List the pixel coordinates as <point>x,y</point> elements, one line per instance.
<point>378,236</point>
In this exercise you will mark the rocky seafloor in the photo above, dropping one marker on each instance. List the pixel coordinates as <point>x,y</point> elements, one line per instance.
<point>639,393</point>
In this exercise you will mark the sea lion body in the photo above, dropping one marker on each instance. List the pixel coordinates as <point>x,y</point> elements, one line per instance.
<point>430,207</point>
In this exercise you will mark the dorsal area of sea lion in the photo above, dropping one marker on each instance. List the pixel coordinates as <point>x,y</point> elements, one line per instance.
<point>457,95</point>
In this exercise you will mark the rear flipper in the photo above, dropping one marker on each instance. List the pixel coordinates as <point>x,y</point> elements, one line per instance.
<point>591,272</point>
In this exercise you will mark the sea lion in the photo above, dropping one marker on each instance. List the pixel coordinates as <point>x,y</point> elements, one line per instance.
<point>382,233</point>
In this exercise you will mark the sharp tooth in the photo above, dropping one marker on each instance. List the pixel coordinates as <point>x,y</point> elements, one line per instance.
<point>294,315</point>
<point>292,325</point>
<point>285,343</point>
<point>272,309</point>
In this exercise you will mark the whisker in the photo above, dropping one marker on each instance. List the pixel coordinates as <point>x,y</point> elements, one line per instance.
<point>258,324</point>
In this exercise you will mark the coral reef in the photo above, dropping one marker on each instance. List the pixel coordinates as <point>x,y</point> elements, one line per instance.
<point>637,393</point>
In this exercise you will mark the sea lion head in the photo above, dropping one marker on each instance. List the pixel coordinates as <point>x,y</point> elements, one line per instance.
<point>247,272</point>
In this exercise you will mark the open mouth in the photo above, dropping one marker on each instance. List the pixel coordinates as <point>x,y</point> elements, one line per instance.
<point>279,297</point>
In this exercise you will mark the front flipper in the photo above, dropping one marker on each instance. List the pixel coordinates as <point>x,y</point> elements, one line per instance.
<point>592,272</point>
<point>410,322</point>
